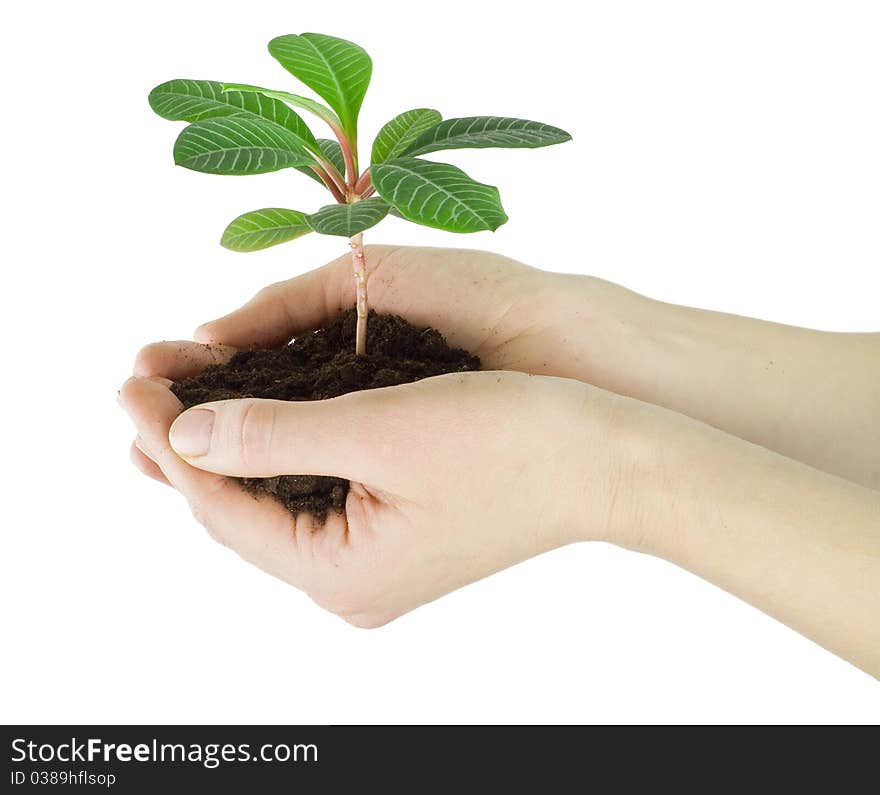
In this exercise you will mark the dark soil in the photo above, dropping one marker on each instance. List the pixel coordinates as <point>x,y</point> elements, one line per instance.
<point>320,365</point>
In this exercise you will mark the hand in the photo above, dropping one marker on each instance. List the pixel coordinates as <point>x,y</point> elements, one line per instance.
<point>512,316</point>
<point>509,314</point>
<point>753,379</point>
<point>453,478</point>
<point>511,467</point>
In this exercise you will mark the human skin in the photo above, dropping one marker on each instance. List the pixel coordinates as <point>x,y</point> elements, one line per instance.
<point>512,465</point>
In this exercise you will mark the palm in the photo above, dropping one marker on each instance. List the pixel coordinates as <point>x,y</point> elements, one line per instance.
<point>326,564</point>
<point>482,302</point>
<point>490,305</point>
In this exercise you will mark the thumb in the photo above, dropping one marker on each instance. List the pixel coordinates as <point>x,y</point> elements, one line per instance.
<point>264,438</point>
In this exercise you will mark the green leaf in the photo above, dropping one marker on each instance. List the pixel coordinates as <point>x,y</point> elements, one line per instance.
<point>263,228</point>
<point>321,111</point>
<point>195,100</point>
<point>238,145</point>
<point>438,195</point>
<point>395,137</point>
<point>347,220</point>
<point>331,151</point>
<point>482,132</point>
<point>337,70</point>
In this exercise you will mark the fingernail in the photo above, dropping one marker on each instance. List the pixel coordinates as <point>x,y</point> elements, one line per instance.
<point>190,435</point>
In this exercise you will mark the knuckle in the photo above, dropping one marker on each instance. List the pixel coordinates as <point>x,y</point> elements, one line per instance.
<point>342,602</point>
<point>145,356</point>
<point>216,536</point>
<point>372,250</point>
<point>272,291</point>
<point>335,601</point>
<point>256,431</point>
<point>378,256</point>
<point>203,507</point>
<point>353,607</point>
<point>364,620</point>
<point>201,515</point>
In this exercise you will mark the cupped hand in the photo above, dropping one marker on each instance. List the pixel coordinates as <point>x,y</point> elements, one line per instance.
<point>458,476</point>
<point>453,478</point>
<point>512,316</point>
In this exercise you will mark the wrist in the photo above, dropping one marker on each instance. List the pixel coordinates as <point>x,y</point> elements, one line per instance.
<point>609,336</point>
<point>636,473</point>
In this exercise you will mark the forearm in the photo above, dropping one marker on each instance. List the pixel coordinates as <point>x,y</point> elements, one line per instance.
<point>799,544</point>
<point>810,395</point>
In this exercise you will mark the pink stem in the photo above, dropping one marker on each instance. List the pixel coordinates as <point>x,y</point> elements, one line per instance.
<point>359,265</point>
<point>364,182</point>
<point>330,183</point>
<point>347,154</point>
<point>334,174</point>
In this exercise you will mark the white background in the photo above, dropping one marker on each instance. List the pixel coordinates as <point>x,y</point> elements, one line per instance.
<point>725,155</point>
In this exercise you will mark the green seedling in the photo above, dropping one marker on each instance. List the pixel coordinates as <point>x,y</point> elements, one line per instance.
<point>243,129</point>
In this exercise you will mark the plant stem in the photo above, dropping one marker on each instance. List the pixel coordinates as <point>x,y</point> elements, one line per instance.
<point>364,182</point>
<point>333,173</point>
<point>348,156</point>
<point>330,183</point>
<point>359,265</point>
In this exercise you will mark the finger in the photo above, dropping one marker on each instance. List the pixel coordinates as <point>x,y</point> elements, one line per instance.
<point>146,464</point>
<point>176,360</point>
<point>261,531</point>
<point>280,311</point>
<point>358,436</point>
